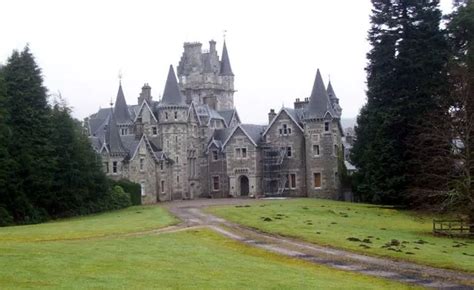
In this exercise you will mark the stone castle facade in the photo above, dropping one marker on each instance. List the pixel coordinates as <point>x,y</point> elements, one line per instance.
<point>191,143</point>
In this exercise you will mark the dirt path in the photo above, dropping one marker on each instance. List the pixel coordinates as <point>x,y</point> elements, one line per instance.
<point>192,216</point>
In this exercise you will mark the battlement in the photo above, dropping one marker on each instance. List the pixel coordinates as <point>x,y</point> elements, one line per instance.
<point>192,44</point>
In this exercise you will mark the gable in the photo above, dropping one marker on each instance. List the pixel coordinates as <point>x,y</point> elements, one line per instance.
<point>146,114</point>
<point>238,132</point>
<point>282,116</point>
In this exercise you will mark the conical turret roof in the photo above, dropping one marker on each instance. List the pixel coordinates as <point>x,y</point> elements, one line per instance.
<point>122,115</point>
<point>226,69</point>
<point>330,91</point>
<point>112,138</point>
<point>172,95</point>
<point>319,104</point>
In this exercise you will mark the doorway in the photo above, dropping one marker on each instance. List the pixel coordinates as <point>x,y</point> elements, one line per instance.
<point>244,185</point>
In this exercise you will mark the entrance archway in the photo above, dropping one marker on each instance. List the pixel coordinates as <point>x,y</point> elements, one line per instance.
<point>244,185</point>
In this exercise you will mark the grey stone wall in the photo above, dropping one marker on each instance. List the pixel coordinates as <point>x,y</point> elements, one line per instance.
<point>296,163</point>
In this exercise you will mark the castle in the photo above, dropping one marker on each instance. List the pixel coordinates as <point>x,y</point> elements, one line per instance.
<point>191,143</point>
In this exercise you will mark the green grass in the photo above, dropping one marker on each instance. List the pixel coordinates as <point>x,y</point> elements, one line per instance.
<point>331,223</point>
<point>90,252</point>
<point>132,219</point>
<point>196,259</point>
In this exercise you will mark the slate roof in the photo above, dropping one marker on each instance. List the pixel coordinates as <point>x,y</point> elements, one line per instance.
<point>319,104</point>
<point>172,95</point>
<point>255,132</point>
<point>122,115</point>
<point>226,69</point>
<point>227,115</point>
<point>130,143</point>
<point>330,91</point>
<point>112,138</point>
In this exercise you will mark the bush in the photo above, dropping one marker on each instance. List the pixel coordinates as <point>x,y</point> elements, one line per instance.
<point>118,198</point>
<point>5,218</point>
<point>132,188</point>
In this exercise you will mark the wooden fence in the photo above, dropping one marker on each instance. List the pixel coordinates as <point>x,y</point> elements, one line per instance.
<point>452,228</point>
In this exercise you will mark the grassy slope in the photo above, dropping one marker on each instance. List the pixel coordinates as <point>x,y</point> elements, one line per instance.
<point>331,223</point>
<point>185,260</point>
<point>132,219</point>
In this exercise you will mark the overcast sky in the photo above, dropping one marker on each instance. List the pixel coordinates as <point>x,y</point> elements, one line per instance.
<point>275,47</point>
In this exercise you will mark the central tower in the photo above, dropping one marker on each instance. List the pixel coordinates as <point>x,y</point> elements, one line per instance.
<point>206,79</point>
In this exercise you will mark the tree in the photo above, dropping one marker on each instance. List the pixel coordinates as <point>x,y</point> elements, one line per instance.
<point>404,79</point>
<point>28,119</point>
<point>79,180</point>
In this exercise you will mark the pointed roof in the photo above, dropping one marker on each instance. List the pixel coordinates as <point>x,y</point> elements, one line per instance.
<point>319,104</point>
<point>122,115</point>
<point>172,95</point>
<point>330,91</point>
<point>112,138</point>
<point>226,69</point>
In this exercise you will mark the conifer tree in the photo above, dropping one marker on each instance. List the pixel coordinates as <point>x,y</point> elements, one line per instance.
<point>28,119</point>
<point>406,76</point>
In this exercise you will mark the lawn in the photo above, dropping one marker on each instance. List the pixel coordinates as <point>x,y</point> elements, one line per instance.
<point>90,252</point>
<point>369,229</point>
<point>132,219</point>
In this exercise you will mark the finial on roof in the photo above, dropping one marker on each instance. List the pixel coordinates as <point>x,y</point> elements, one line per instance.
<point>120,76</point>
<point>224,33</point>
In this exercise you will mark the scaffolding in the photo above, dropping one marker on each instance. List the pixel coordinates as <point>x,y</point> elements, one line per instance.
<point>274,179</point>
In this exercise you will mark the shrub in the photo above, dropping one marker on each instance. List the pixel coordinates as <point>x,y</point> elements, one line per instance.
<point>132,188</point>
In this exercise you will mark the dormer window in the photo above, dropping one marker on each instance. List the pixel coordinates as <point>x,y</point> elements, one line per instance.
<point>215,155</point>
<point>124,131</point>
<point>154,130</point>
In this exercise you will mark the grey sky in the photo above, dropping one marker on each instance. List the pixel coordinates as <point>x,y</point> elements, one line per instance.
<point>275,47</point>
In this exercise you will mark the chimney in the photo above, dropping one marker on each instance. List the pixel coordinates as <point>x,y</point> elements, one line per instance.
<point>145,94</point>
<point>271,115</point>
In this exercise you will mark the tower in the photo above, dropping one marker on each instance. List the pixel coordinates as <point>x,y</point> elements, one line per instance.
<point>334,100</point>
<point>173,127</point>
<point>204,79</point>
<point>122,115</point>
<point>322,142</point>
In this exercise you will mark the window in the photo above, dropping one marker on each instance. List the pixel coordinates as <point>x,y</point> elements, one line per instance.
<point>124,131</point>
<point>290,182</point>
<point>161,165</point>
<point>336,150</point>
<point>142,163</point>
<point>285,130</point>
<point>317,180</point>
<point>215,155</point>
<point>315,150</point>
<point>162,186</point>
<point>326,126</point>
<point>154,130</point>
<point>166,115</point>
<point>175,115</point>
<point>241,152</point>
<point>336,177</point>
<point>293,180</point>
<point>289,153</point>
<point>177,178</point>
<point>114,167</point>
<point>142,187</point>
<point>215,183</point>
<point>177,159</point>
<point>106,167</point>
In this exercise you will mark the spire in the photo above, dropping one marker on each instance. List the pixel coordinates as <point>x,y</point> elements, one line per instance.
<point>112,137</point>
<point>330,92</point>
<point>319,103</point>
<point>122,114</point>
<point>226,69</point>
<point>172,95</point>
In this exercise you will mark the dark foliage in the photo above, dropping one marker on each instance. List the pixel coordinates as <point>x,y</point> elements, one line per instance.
<point>47,166</point>
<point>132,188</point>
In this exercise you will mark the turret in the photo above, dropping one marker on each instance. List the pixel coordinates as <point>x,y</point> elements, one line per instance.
<point>334,100</point>
<point>322,143</point>
<point>122,115</point>
<point>173,127</point>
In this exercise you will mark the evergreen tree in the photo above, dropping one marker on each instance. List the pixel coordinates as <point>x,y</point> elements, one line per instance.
<point>79,180</point>
<point>5,160</point>
<point>28,119</point>
<point>405,79</point>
